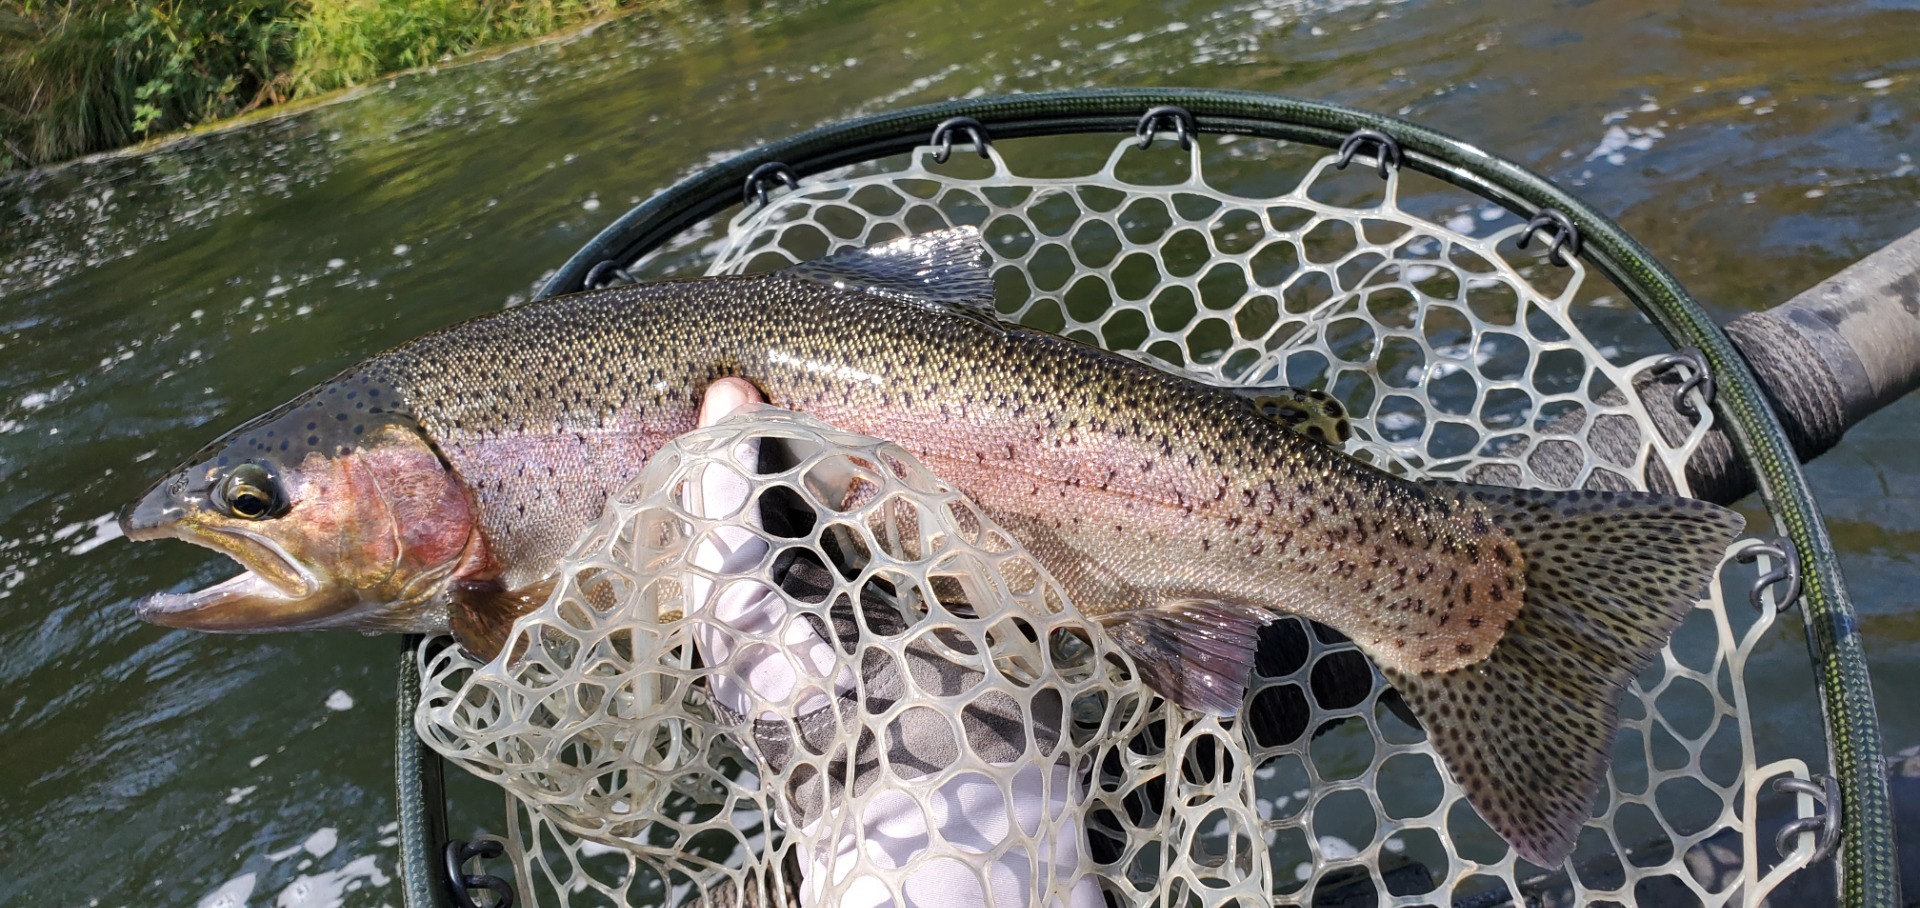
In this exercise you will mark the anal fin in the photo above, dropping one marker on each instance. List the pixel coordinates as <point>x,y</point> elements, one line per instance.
<point>1196,653</point>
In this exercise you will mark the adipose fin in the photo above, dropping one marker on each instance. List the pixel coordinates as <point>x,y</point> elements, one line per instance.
<point>1315,414</point>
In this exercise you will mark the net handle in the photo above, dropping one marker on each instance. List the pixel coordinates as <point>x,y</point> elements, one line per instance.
<point>419,794</point>
<point>1868,874</point>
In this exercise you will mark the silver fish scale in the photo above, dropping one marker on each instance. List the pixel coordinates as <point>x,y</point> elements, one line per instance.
<point>547,410</point>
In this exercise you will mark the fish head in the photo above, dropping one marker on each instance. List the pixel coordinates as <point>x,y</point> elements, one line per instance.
<point>352,522</point>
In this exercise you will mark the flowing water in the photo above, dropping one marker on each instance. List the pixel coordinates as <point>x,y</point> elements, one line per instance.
<point>148,302</point>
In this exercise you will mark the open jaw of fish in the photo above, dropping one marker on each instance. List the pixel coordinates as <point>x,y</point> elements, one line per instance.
<point>439,485</point>
<point>260,598</point>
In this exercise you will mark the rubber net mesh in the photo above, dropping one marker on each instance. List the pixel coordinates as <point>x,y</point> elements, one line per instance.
<point>790,666</point>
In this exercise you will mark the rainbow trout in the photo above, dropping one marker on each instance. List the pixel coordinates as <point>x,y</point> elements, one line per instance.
<point>436,487</point>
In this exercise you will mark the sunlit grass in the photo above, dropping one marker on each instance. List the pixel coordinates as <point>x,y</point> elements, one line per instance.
<point>346,42</point>
<point>78,76</point>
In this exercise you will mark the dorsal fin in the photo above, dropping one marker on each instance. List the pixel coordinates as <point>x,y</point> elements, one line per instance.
<point>1315,414</point>
<point>946,267</point>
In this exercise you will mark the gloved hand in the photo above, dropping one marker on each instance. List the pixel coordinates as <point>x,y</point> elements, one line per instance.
<point>770,666</point>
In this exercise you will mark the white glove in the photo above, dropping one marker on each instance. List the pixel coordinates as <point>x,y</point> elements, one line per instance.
<point>763,677</point>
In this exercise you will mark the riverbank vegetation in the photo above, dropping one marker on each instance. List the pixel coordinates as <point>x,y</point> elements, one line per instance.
<point>78,76</point>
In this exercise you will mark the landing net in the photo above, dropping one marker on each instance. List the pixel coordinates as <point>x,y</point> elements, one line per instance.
<point>648,764</point>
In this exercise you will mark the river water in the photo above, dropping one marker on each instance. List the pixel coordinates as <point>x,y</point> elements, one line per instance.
<point>148,302</point>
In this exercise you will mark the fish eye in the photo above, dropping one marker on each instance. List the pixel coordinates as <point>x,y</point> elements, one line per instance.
<point>250,491</point>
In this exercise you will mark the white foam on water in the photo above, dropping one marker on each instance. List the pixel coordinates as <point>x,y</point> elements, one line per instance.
<point>98,532</point>
<point>36,400</point>
<point>330,888</point>
<point>1336,848</point>
<point>592,849</point>
<point>1621,139</point>
<point>233,893</point>
<point>322,842</point>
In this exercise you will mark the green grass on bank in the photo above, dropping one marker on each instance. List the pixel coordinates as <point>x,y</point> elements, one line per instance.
<point>347,42</point>
<point>78,76</point>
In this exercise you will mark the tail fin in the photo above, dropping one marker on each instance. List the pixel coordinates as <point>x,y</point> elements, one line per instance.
<point>1529,730</point>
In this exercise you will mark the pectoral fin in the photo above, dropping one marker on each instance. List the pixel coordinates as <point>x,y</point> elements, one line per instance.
<point>482,617</point>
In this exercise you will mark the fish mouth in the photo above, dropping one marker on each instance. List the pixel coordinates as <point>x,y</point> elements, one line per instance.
<point>272,592</point>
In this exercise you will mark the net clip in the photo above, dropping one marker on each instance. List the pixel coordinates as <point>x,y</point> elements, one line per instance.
<point>756,185</point>
<point>1825,826</point>
<point>1386,151</point>
<point>463,885</point>
<point>1157,119</point>
<point>1786,569</point>
<point>598,277</point>
<point>943,137</point>
<point>1563,235</point>
<point>1695,364</point>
